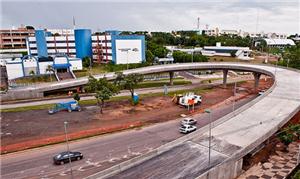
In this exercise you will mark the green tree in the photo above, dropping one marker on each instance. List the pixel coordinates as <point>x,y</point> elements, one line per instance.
<point>160,52</point>
<point>128,82</point>
<point>76,97</point>
<point>286,138</point>
<point>50,69</point>
<point>104,90</point>
<point>149,57</point>
<point>103,95</point>
<point>31,72</point>
<point>182,57</point>
<point>87,62</point>
<point>232,53</point>
<point>291,55</point>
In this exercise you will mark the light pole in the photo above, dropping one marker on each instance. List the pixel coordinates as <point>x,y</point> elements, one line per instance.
<point>276,67</point>
<point>127,59</point>
<point>127,51</point>
<point>90,66</point>
<point>192,55</point>
<point>68,148</point>
<point>234,93</point>
<point>209,139</point>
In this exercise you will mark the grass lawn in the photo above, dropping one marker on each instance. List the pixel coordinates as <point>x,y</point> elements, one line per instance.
<point>35,79</point>
<point>149,84</point>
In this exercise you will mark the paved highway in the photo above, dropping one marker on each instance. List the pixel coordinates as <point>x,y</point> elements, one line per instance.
<point>100,152</point>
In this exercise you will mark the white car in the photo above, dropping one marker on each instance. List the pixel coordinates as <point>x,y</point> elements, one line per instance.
<point>188,121</point>
<point>261,92</point>
<point>187,129</point>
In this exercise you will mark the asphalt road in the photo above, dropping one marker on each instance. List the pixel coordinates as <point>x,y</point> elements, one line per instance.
<point>99,152</point>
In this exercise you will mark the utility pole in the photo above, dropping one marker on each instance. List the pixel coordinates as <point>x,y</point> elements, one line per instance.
<point>209,138</point>
<point>68,148</point>
<point>198,23</point>
<point>127,51</point>
<point>234,93</point>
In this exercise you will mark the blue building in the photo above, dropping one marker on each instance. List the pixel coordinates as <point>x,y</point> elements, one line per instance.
<point>105,48</point>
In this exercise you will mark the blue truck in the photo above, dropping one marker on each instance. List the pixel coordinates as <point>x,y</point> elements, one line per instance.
<point>68,106</point>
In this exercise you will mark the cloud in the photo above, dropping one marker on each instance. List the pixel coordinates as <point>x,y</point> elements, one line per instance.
<point>154,15</point>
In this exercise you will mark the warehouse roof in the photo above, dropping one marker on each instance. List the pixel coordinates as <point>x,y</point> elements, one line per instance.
<point>279,42</point>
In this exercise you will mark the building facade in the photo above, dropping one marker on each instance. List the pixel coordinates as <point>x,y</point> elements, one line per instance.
<point>279,43</point>
<point>31,65</point>
<point>14,40</point>
<point>242,53</point>
<point>104,48</point>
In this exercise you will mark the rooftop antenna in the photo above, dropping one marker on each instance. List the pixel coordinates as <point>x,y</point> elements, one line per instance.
<point>206,26</point>
<point>257,19</point>
<point>74,25</point>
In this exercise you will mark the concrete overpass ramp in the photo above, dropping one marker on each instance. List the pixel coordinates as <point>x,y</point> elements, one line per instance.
<point>234,135</point>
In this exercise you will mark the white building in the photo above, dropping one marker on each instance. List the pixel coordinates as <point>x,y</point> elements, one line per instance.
<point>229,32</point>
<point>279,43</point>
<point>31,65</point>
<point>242,53</point>
<point>61,31</point>
<point>211,32</point>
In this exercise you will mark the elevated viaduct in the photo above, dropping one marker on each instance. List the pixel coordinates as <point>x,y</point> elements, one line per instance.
<point>38,91</point>
<point>233,136</point>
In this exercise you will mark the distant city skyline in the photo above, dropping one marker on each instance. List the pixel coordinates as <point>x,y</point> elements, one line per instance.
<point>152,15</point>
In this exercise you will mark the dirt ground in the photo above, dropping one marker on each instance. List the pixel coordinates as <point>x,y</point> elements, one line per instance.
<point>18,127</point>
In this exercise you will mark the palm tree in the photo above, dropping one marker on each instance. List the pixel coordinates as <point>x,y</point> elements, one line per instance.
<point>50,69</point>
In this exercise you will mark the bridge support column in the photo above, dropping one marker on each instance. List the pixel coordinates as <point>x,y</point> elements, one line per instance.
<point>171,77</point>
<point>256,80</point>
<point>225,72</point>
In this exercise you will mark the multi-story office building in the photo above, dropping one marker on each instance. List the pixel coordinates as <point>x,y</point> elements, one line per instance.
<point>50,45</point>
<point>211,32</point>
<point>110,46</point>
<point>14,40</point>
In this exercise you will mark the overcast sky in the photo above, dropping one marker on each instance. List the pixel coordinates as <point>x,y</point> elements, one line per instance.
<point>280,16</point>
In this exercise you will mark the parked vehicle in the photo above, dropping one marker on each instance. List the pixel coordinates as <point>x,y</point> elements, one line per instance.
<point>63,157</point>
<point>69,106</point>
<point>188,121</point>
<point>188,99</point>
<point>261,92</point>
<point>187,129</point>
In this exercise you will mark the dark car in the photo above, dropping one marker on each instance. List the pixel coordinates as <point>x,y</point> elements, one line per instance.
<point>64,157</point>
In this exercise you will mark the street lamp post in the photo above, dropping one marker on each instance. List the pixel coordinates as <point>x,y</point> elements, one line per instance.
<point>127,59</point>
<point>127,51</point>
<point>234,93</point>
<point>192,56</point>
<point>276,67</point>
<point>68,148</point>
<point>209,139</point>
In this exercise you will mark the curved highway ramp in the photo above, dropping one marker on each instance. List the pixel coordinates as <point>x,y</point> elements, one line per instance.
<point>233,136</point>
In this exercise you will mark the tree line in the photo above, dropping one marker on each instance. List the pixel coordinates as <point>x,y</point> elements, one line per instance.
<point>104,89</point>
